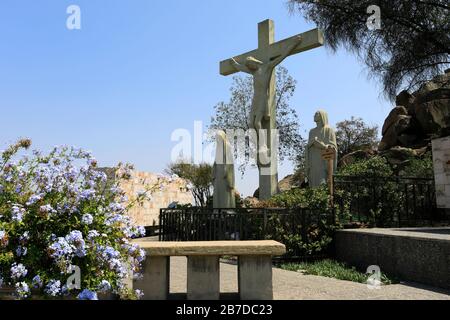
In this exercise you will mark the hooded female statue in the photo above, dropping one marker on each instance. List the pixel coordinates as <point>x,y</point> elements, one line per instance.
<point>223,174</point>
<point>321,138</point>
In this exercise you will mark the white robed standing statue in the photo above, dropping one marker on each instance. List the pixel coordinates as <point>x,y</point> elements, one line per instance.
<point>223,174</point>
<point>321,138</point>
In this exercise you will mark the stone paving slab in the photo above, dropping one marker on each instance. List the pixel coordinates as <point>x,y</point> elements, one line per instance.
<point>289,285</point>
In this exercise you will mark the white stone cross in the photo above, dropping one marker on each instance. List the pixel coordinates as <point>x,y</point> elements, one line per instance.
<point>260,63</point>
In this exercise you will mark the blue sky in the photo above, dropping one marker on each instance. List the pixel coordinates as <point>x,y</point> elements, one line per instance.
<point>139,69</point>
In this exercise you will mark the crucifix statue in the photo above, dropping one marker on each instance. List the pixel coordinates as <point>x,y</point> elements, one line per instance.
<point>261,63</point>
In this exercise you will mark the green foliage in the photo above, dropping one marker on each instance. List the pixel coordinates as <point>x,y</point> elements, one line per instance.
<point>411,46</point>
<point>312,198</point>
<point>310,231</point>
<point>199,176</point>
<point>375,188</point>
<point>59,210</point>
<point>376,166</point>
<point>234,115</point>
<point>333,269</point>
<point>355,134</point>
<point>419,167</point>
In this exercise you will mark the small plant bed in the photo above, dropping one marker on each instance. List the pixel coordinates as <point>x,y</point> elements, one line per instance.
<point>333,269</point>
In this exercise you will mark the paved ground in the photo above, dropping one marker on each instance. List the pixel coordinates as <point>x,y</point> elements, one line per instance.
<point>290,285</point>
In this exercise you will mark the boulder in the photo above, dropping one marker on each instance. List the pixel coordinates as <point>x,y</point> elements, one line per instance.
<point>419,117</point>
<point>393,118</point>
<point>434,116</point>
<point>398,155</point>
<point>405,99</point>
<point>391,134</point>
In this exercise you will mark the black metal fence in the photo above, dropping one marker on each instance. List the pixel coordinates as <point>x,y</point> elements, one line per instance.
<point>375,202</point>
<point>299,229</point>
<point>387,202</point>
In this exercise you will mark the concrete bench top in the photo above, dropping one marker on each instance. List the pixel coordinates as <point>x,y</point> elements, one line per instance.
<point>211,248</point>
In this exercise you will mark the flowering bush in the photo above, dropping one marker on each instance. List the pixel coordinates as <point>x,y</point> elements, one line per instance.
<point>59,211</point>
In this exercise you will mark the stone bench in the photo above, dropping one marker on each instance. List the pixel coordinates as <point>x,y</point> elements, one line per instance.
<point>203,274</point>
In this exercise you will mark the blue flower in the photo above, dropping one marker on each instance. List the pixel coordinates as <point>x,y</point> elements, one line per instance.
<point>111,257</point>
<point>21,251</point>
<point>53,288</point>
<point>24,237</point>
<point>37,282</point>
<point>92,234</point>
<point>46,209</point>
<point>139,293</point>
<point>64,290</point>
<point>104,286</point>
<point>87,219</point>
<point>75,238</point>
<point>141,232</point>
<point>87,194</point>
<point>60,249</point>
<point>22,290</point>
<point>17,214</point>
<point>87,295</point>
<point>33,199</point>
<point>116,218</point>
<point>18,271</point>
<point>116,207</point>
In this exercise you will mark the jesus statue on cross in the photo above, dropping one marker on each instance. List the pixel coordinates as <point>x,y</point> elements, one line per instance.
<point>261,63</point>
<point>262,75</point>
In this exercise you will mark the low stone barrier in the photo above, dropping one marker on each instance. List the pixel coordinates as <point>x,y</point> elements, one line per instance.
<point>203,268</point>
<point>419,255</point>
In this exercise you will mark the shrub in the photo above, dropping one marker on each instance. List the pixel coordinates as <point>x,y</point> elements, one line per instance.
<point>312,198</point>
<point>375,167</point>
<point>378,193</point>
<point>420,167</point>
<point>309,228</point>
<point>59,212</point>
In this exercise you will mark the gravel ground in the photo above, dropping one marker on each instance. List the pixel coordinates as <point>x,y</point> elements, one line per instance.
<point>290,285</point>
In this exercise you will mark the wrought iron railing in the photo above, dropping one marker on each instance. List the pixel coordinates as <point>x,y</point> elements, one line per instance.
<point>374,202</point>
<point>298,228</point>
<point>386,202</point>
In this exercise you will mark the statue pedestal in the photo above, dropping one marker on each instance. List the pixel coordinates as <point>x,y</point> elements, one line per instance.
<point>268,186</point>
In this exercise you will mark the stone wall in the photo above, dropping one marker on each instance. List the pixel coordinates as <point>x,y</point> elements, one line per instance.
<point>441,161</point>
<point>417,255</point>
<point>147,214</point>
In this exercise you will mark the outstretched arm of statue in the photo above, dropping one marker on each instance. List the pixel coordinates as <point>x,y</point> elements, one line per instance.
<point>288,52</point>
<point>239,66</point>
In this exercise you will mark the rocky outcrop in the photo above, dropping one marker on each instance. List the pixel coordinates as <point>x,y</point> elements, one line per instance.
<point>419,117</point>
<point>356,156</point>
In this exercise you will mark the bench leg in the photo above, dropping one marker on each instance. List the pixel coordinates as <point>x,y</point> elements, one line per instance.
<point>155,283</point>
<point>255,277</point>
<point>203,278</point>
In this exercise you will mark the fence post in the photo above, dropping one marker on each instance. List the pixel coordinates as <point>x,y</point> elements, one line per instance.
<point>265,223</point>
<point>160,225</point>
